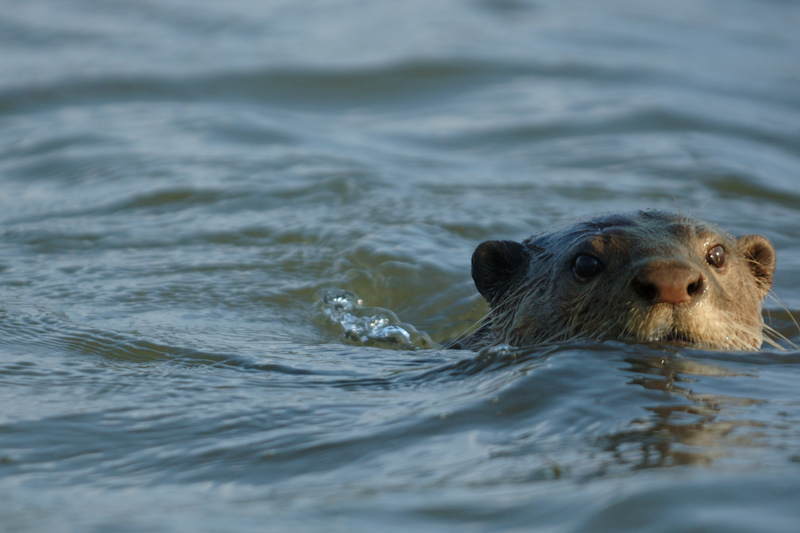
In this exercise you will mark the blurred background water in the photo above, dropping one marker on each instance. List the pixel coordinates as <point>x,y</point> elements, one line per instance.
<point>183,184</point>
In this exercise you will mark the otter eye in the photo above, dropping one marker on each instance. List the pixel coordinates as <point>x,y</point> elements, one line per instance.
<point>716,257</point>
<point>585,266</point>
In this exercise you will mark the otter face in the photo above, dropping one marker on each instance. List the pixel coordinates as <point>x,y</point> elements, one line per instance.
<point>645,276</point>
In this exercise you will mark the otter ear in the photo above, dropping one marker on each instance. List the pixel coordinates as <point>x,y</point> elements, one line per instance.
<point>496,265</point>
<point>761,258</point>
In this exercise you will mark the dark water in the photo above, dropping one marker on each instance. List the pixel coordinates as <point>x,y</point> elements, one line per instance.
<point>182,183</point>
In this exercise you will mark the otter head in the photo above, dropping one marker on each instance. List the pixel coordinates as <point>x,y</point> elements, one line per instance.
<point>647,276</point>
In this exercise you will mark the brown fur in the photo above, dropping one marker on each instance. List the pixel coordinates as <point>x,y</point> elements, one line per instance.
<point>655,281</point>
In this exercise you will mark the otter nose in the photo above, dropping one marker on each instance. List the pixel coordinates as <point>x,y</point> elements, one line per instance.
<point>669,284</point>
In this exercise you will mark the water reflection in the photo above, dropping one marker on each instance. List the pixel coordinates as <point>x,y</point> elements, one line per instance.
<point>698,431</point>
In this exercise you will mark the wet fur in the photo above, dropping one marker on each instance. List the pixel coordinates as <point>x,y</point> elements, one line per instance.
<point>535,296</point>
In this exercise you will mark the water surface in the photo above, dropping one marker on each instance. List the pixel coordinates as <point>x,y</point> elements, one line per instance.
<point>183,183</point>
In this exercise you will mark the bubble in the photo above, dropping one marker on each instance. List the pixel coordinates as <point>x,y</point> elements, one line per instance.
<point>369,326</point>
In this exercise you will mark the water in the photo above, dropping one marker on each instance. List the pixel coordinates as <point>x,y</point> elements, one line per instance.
<point>188,187</point>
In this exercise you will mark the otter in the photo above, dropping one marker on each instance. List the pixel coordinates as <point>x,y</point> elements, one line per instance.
<point>646,276</point>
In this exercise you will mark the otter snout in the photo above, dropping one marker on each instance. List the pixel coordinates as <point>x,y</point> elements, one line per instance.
<point>668,283</point>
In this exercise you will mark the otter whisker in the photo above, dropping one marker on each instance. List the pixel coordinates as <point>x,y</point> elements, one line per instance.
<point>466,333</point>
<point>772,296</point>
<point>773,334</point>
<point>486,320</point>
